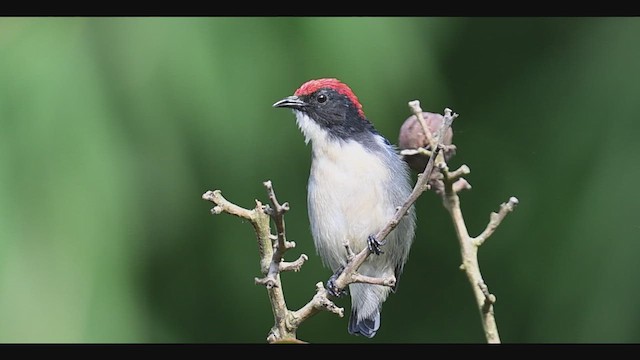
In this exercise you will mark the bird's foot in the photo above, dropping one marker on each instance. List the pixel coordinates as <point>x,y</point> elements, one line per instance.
<point>332,288</point>
<point>375,245</point>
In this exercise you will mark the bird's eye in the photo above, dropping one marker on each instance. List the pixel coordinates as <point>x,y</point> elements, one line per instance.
<point>322,98</point>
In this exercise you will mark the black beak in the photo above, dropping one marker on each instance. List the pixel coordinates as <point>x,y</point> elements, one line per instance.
<point>293,102</point>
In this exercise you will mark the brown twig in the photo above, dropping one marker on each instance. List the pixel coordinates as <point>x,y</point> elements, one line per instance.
<point>437,140</point>
<point>495,219</point>
<point>417,111</point>
<point>276,211</point>
<point>271,254</point>
<point>273,247</point>
<point>469,246</point>
<point>349,274</point>
<point>287,321</point>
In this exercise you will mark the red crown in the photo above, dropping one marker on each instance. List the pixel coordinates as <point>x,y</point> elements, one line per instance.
<point>312,86</point>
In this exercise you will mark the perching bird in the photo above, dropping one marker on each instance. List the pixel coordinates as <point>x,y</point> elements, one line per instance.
<point>356,182</point>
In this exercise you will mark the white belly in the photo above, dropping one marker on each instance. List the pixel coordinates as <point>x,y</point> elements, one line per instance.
<point>347,199</point>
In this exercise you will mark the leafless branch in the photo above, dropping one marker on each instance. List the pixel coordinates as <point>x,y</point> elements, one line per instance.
<point>272,248</point>
<point>417,110</point>
<point>495,219</point>
<point>348,274</point>
<point>469,246</point>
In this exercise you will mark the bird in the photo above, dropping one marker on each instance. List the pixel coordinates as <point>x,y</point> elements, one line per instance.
<point>357,180</point>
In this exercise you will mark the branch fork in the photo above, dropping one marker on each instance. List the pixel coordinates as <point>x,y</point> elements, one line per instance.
<point>272,247</point>
<point>448,184</point>
<point>454,183</point>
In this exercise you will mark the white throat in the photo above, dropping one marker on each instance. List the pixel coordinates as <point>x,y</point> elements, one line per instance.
<point>310,129</point>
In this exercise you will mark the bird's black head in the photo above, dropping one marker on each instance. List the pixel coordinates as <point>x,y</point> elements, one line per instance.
<point>333,106</point>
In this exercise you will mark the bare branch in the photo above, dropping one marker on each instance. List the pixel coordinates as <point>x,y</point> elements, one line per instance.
<point>495,219</point>
<point>347,275</point>
<point>258,219</point>
<point>268,282</point>
<point>223,205</point>
<point>417,111</point>
<point>276,211</point>
<point>350,253</point>
<point>456,174</point>
<point>319,302</point>
<point>461,184</point>
<point>270,255</point>
<point>425,152</point>
<point>272,247</point>
<point>489,298</point>
<point>388,281</point>
<point>418,151</point>
<point>453,183</point>
<point>295,265</point>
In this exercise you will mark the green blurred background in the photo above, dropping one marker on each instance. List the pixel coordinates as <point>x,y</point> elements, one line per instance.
<point>111,129</point>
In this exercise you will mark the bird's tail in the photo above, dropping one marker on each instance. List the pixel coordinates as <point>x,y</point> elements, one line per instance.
<point>366,301</point>
<point>365,327</point>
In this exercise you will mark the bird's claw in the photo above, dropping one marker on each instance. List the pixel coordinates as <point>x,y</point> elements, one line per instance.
<point>334,290</point>
<point>332,287</point>
<point>375,245</point>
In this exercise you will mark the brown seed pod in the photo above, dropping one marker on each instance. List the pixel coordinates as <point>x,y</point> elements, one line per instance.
<point>412,136</point>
